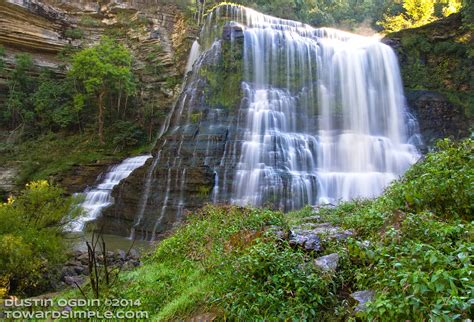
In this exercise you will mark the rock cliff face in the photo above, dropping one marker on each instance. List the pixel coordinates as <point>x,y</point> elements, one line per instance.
<point>204,134</point>
<point>155,31</point>
<point>436,66</point>
<point>437,116</point>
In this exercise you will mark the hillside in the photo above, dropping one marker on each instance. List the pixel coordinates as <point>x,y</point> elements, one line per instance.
<point>410,252</point>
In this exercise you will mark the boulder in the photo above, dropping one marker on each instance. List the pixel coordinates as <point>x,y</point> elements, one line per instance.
<point>311,236</point>
<point>121,255</point>
<point>133,254</point>
<point>327,263</point>
<point>306,239</point>
<point>72,280</point>
<point>68,271</point>
<point>362,297</point>
<point>80,270</point>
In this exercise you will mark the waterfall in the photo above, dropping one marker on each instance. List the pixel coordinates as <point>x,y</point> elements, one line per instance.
<point>100,197</point>
<point>325,114</point>
<point>193,56</point>
<point>275,112</point>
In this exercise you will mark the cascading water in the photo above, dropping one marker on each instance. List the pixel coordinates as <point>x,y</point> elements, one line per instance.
<point>325,113</point>
<point>193,56</point>
<point>274,112</point>
<point>100,197</point>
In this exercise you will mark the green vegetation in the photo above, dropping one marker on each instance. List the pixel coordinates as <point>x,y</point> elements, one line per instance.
<point>74,33</point>
<point>351,14</point>
<point>224,77</point>
<point>438,57</point>
<point>2,54</point>
<point>102,72</point>
<point>49,117</point>
<point>413,247</point>
<point>89,21</point>
<point>418,13</point>
<point>19,106</point>
<point>32,238</point>
<point>51,155</point>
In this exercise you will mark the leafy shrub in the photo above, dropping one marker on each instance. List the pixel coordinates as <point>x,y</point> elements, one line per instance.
<point>31,237</point>
<point>442,183</point>
<point>128,134</point>
<point>74,33</point>
<point>278,283</point>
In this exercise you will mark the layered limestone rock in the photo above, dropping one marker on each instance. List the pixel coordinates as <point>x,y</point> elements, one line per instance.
<point>156,32</point>
<point>195,156</point>
<point>32,27</point>
<point>7,180</point>
<point>437,116</point>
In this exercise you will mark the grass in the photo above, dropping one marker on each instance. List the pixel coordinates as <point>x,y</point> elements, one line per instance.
<point>413,246</point>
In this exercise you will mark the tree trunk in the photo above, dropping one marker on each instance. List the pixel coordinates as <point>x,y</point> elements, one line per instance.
<point>101,116</point>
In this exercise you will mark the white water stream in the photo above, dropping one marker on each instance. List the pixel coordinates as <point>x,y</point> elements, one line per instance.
<point>100,197</point>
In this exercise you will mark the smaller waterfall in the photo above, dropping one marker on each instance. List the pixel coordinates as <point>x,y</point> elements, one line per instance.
<point>193,56</point>
<point>145,195</point>
<point>100,197</point>
<point>163,208</point>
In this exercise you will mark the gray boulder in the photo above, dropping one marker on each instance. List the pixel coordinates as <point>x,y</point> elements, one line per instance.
<point>362,297</point>
<point>327,263</point>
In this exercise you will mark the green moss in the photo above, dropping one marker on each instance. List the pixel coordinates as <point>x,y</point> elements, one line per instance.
<point>53,154</point>
<point>196,117</point>
<point>224,79</point>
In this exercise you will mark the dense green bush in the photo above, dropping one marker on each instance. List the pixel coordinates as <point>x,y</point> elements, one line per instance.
<point>74,33</point>
<point>441,184</point>
<point>32,238</point>
<point>127,134</point>
<point>275,281</point>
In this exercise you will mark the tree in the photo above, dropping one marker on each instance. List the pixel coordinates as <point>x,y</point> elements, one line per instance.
<point>102,71</point>
<point>452,6</point>
<point>53,103</point>
<point>19,109</point>
<point>417,13</point>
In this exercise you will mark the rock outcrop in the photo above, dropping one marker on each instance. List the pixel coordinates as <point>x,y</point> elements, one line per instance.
<point>437,117</point>
<point>76,270</point>
<point>156,32</point>
<point>436,69</point>
<point>194,157</point>
<point>7,180</point>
